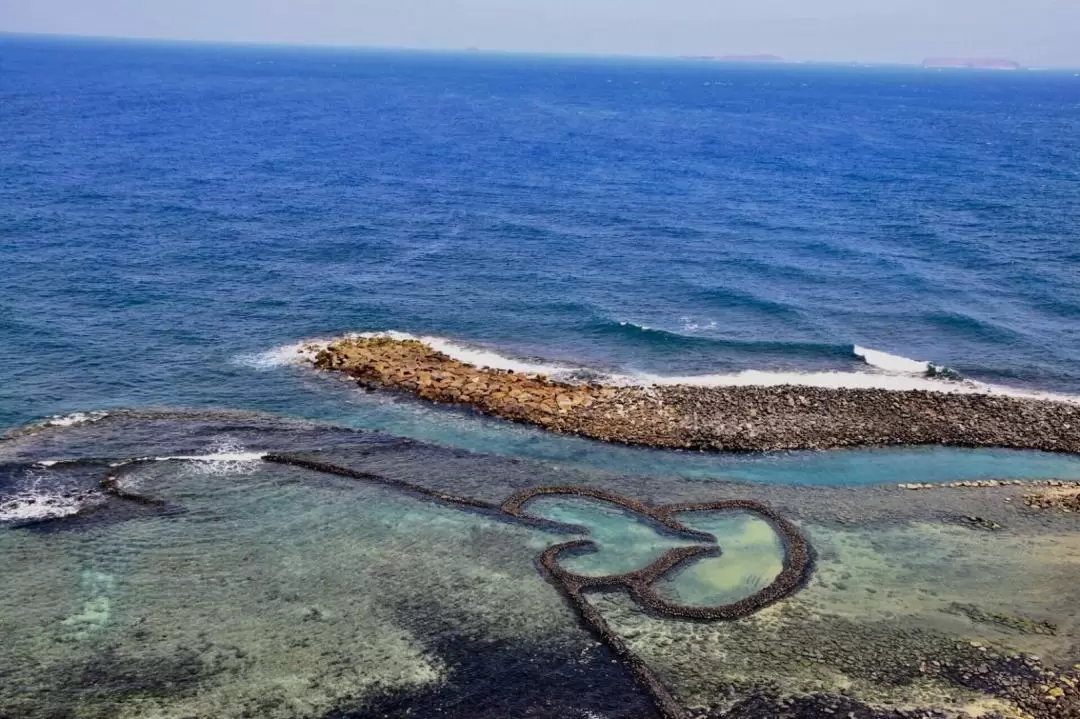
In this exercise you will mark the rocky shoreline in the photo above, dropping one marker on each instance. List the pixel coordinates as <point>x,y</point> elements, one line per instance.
<point>709,418</point>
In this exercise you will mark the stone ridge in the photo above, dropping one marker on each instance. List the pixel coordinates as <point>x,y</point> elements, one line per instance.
<point>710,418</point>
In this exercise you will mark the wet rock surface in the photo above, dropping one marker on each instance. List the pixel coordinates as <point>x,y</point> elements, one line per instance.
<point>1059,496</point>
<point>710,418</point>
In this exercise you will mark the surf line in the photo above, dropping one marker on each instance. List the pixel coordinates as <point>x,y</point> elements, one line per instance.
<point>640,584</point>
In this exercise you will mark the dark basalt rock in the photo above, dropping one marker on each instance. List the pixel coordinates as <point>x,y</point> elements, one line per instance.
<point>974,522</point>
<point>497,680</point>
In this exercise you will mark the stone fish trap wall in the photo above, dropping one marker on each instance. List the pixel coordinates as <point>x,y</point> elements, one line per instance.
<point>796,571</point>
<point>709,418</point>
<point>797,564</point>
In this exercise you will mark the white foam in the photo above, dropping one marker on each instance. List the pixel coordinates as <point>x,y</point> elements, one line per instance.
<point>888,372</point>
<point>477,356</point>
<point>37,501</point>
<point>759,378</point>
<point>298,353</point>
<point>218,457</point>
<point>75,418</point>
<point>689,325</point>
<point>891,363</point>
<point>845,380</point>
<point>228,458</point>
<point>38,505</point>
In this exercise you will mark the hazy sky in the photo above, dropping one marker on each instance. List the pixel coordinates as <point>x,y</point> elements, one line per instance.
<point>1035,32</point>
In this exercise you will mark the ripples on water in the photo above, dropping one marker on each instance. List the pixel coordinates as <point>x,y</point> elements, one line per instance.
<point>171,208</point>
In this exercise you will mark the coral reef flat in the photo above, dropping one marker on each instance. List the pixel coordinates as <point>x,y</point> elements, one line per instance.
<point>274,568</point>
<point>709,418</point>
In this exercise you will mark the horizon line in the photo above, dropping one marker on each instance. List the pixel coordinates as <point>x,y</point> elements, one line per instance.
<point>733,59</point>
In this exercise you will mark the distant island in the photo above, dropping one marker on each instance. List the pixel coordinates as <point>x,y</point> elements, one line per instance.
<point>752,59</point>
<point>973,63</point>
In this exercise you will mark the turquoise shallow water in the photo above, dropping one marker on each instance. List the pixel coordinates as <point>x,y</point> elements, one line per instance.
<point>752,556</point>
<point>625,542</point>
<point>408,418</point>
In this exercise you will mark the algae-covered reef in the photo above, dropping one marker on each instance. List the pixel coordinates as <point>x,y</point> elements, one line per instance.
<point>709,418</point>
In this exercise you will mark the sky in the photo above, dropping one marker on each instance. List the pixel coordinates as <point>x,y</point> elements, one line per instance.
<point>1034,32</point>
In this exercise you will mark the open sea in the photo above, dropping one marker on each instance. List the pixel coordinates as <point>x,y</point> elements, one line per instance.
<point>176,218</point>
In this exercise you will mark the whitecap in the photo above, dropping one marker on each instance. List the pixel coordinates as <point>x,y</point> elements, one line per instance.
<point>690,325</point>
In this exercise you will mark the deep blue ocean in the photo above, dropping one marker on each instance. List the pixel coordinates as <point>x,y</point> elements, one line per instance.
<point>174,218</point>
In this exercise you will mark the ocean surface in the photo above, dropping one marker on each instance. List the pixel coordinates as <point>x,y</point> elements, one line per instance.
<point>176,218</point>
<point>176,221</point>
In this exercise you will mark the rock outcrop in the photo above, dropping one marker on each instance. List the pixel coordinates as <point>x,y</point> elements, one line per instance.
<point>710,418</point>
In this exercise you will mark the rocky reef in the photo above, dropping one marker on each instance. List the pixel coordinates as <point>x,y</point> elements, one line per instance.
<point>337,574</point>
<point>709,418</point>
<point>1059,496</point>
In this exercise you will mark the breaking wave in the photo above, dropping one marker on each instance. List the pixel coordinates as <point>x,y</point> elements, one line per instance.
<point>902,365</point>
<point>297,353</point>
<point>39,499</point>
<point>883,370</point>
<point>226,458</point>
